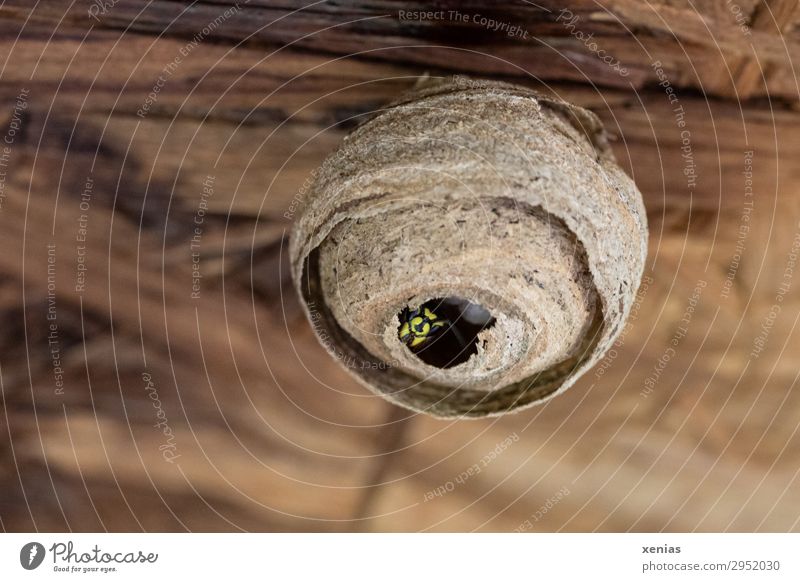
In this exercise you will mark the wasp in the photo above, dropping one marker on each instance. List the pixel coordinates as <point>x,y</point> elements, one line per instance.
<point>420,326</point>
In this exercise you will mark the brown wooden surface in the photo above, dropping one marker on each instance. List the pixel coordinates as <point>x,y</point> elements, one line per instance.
<point>272,434</point>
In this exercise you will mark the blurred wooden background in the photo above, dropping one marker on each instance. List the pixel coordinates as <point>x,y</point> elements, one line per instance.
<point>130,405</point>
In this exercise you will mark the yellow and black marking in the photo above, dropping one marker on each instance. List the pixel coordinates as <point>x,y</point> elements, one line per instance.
<point>418,327</point>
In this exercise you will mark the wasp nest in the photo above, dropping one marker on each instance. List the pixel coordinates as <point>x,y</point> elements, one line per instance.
<point>471,250</point>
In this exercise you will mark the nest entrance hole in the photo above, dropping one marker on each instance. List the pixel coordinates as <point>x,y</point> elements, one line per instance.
<point>456,341</point>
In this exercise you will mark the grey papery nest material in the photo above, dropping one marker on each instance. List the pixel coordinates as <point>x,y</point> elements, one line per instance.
<point>502,210</point>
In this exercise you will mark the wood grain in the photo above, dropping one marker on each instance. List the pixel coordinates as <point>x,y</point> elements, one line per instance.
<point>273,435</point>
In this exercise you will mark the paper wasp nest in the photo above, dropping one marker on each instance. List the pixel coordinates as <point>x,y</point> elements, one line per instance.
<point>494,211</point>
